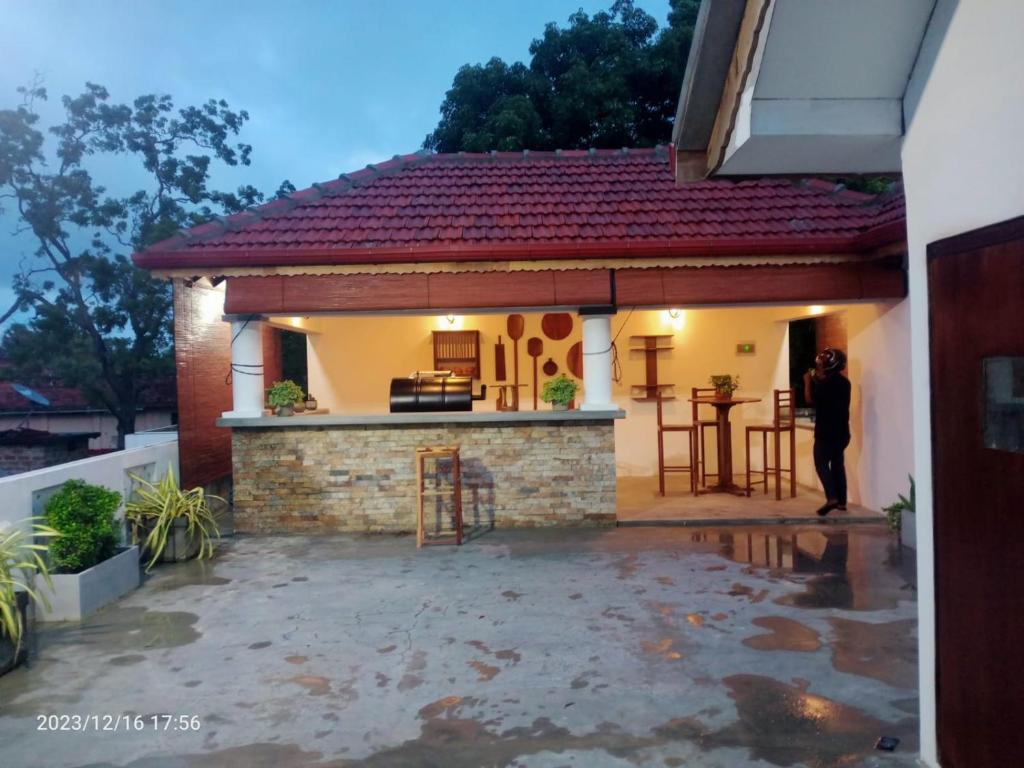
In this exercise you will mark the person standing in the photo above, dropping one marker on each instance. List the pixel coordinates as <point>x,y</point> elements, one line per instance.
<point>829,392</point>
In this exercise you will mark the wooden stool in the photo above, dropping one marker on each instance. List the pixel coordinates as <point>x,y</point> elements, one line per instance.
<point>438,453</point>
<point>702,424</point>
<point>784,421</point>
<point>691,432</point>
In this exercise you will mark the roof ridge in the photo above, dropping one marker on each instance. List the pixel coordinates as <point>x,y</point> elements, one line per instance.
<point>546,154</point>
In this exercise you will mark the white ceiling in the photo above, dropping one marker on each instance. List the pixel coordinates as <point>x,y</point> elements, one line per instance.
<point>841,49</point>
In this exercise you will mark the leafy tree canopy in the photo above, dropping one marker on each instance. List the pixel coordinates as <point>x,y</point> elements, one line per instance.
<point>96,322</point>
<point>610,80</point>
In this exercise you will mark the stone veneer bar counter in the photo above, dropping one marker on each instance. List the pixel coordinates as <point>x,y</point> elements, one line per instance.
<point>357,473</point>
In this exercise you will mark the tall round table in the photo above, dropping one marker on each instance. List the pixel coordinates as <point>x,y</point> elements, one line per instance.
<point>722,408</point>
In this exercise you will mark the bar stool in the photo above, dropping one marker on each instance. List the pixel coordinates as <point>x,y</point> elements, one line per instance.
<point>437,454</point>
<point>784,420</point>
<point>703,424</point>
<point>691,431</point>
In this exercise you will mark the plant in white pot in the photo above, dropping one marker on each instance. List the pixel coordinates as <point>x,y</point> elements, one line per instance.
<point>284,395</point>
<point>20,560</point>
<point>90,567</point>
<point>172,524</point>
<point>559,391</point>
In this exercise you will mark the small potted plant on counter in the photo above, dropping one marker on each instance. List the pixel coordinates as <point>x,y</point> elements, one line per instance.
<point>90,567</point>
<point>724,385</point>
<point>311,404</point>
<point>20,559</point>
<point>172,524</point>
<point>559,391</point>
<point>283,395</point>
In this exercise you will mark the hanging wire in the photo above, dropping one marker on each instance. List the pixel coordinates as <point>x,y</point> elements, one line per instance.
<point>613,348</point>
<point>233,367</point>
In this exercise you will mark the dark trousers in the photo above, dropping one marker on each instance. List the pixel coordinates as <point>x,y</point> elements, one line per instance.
<point>828,461</point>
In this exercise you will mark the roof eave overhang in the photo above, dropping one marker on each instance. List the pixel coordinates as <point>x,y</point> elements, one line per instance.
<point>757,120</point>
<point>208,262</point>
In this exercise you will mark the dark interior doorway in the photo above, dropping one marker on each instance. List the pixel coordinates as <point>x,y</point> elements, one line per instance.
<point>293,358</point>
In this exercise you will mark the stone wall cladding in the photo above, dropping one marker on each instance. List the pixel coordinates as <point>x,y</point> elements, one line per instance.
<point>363,478</point>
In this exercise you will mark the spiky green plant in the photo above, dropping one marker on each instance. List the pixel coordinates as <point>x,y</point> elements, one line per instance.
<point>155,508</point>
<point>894,512</point>
<point>20,560</point>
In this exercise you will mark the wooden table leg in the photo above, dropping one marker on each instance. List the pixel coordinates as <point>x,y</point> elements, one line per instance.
<point>725,483</point>
<point>724,448</point>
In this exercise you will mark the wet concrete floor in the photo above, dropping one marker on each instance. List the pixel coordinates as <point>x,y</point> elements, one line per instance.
<point>723,648</point>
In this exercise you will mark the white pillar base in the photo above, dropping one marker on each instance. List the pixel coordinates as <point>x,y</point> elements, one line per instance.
<point>597,363</point>
<point>247,391</point>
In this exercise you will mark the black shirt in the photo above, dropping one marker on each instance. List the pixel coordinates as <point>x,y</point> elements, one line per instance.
<point>831,408</point>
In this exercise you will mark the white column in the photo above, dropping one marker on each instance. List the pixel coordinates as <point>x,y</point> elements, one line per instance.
<point>597,363</point>
<point>246,368</point>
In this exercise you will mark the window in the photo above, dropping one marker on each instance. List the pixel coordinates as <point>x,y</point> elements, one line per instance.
<point>1004,403</point>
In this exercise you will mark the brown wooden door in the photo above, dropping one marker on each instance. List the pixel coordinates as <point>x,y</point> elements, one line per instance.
<point>976,289</point>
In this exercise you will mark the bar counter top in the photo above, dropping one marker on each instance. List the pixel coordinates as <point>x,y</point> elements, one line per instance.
<point>483,418</point>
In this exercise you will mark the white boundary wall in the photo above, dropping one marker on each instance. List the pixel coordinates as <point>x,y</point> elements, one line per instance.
<point>963,168</point>
<point>23,495</point>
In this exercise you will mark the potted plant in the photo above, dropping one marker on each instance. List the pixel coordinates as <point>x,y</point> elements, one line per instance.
<point>904,505</point>
<point>311,403</point>
<point>90,567</point>
<point>283,395</point>
<point>725,385</point>
<point>559,391</point>
<point>173,524</point>
<point>20,559</point>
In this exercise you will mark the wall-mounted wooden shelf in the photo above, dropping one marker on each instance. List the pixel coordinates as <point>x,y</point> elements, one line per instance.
<point>651,345</point>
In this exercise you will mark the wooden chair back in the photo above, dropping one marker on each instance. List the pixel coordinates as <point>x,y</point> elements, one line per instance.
<point>785,409</point>
<point>700,392</point>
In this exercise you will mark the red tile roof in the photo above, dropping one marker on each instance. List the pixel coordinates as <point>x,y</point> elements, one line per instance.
<point>569,204</point>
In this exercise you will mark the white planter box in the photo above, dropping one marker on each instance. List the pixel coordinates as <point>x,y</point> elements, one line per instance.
<point>77,595</point>
<point>909,531</point>
<point>8,660</point>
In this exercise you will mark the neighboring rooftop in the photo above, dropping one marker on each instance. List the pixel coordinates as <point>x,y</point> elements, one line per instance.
<point>158,394</point>
<point>534,205</point>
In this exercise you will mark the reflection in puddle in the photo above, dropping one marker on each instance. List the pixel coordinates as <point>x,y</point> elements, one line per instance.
<point>841,566</point>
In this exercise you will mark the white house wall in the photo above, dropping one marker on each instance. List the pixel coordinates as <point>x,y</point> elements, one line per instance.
<point>963,167</point>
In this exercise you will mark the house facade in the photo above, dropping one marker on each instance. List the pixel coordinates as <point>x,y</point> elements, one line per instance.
<point>369,266</point>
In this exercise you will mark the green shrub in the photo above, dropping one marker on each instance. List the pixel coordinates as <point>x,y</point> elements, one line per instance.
<point>83,514</point>
<point>284,393</point>
<point>561,390</point>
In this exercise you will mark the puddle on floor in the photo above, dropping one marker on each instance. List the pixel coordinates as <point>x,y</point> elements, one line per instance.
<point>784,635</point>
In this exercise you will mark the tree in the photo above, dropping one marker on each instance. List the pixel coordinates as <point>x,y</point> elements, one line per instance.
<point>97,322</point>
<point>610,80</point>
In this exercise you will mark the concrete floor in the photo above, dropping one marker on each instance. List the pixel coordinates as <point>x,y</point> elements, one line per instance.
<point>639,502</point>
<point>764,647</point>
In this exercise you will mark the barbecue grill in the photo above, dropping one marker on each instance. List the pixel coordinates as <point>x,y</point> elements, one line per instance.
<point>425,391</point>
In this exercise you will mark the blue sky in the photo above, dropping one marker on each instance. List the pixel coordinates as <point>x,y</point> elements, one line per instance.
<point>329,86</point>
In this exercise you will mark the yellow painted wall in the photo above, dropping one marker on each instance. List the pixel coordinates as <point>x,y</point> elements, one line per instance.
<point>353,359</point>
